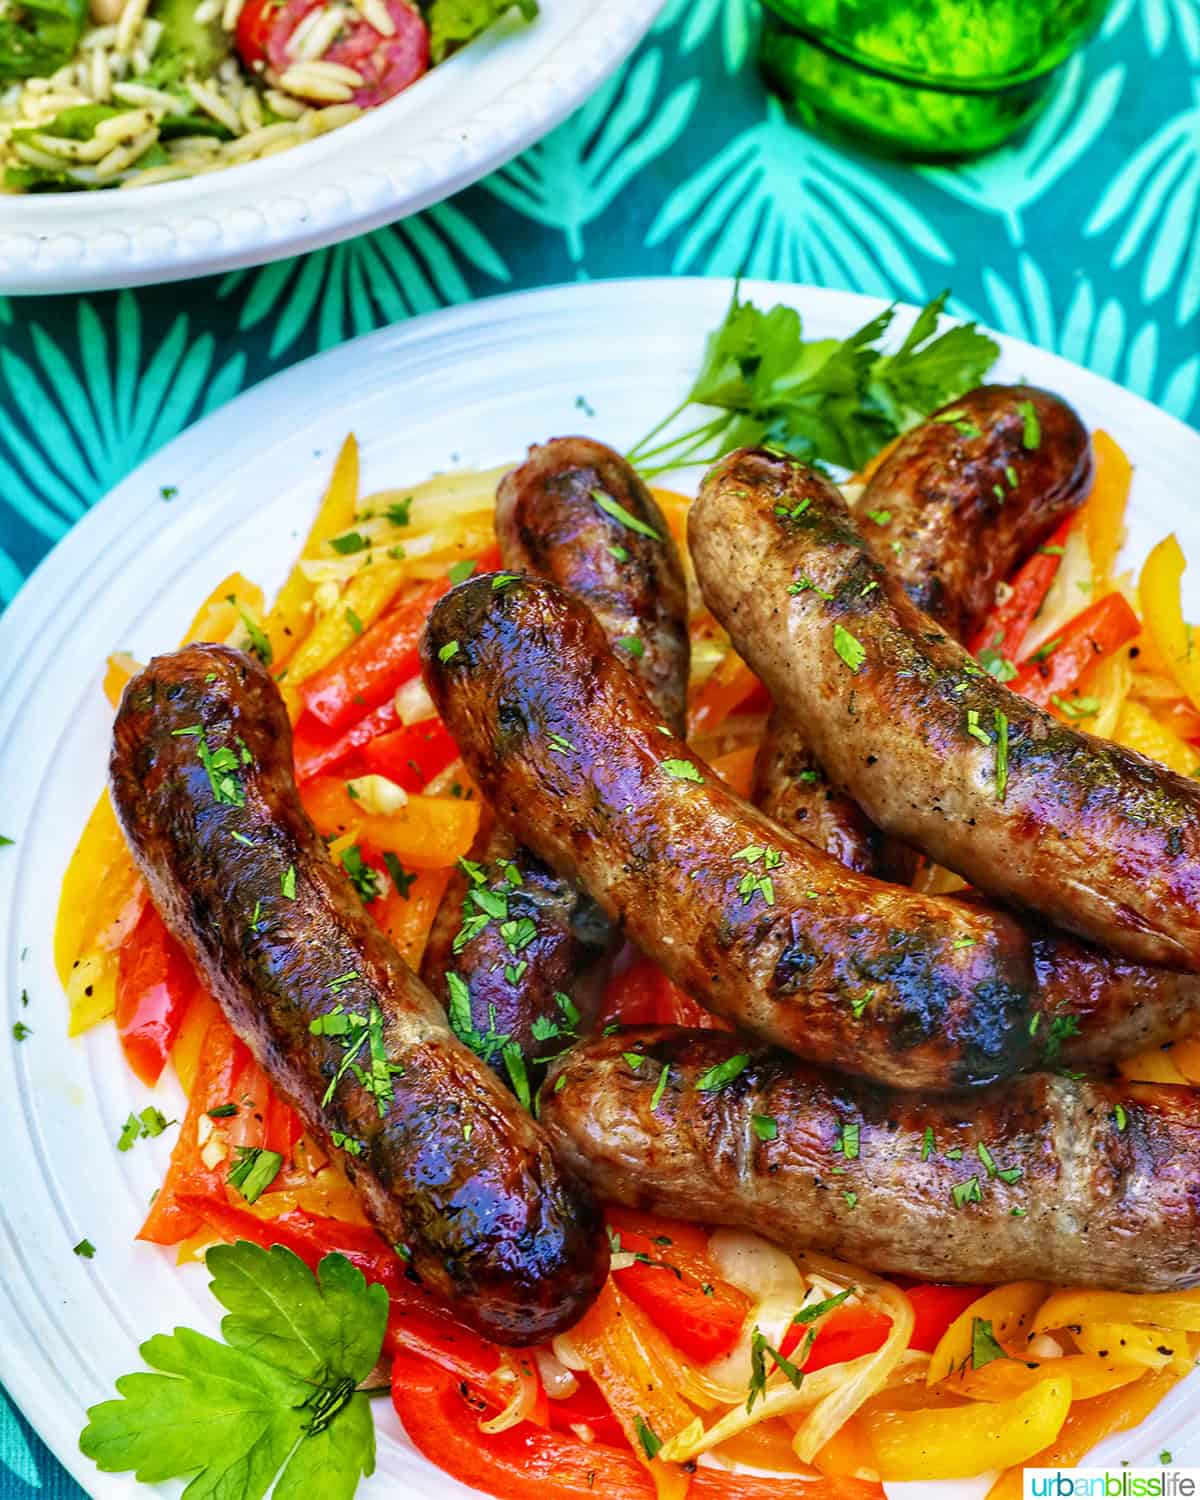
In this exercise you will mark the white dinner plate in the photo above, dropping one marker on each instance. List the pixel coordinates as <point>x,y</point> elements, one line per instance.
<point>463,119</point>
<point>466,387</point>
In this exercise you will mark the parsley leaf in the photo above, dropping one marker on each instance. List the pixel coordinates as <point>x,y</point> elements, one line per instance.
<point>613,508</point>
<point>849,647</point>
<point>984,1346</point>
<point>720,1074</point>
<point>823,400</point>
<point>279,1393</point>
<point>681,770</point>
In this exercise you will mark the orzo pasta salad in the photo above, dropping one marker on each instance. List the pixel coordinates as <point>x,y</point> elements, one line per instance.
<point>128,93</point>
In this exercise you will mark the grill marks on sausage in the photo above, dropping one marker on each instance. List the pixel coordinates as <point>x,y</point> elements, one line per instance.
<point>1098,839</point>
<point>445,1161</point>
<point>551,521</point>
<point>1043,1178</point>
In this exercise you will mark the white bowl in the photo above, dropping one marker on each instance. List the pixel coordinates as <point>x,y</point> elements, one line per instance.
<point>460,121</point>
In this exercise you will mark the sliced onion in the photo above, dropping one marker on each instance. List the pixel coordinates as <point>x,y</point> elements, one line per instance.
<point>564,1352</point>
<point>524,1397</point>
<point>557,1379</point>
<point>413,703</point>
<point>377,795</point>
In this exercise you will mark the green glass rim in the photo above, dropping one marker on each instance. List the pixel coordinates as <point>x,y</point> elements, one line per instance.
<point>935,83</point>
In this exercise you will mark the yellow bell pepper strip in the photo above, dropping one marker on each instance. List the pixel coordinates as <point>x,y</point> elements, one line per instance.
<point>1176,1310</point>
<point>1009,1310</point>
<point>1186,1057</point>
<point>674,507</point>
<point>1102,517</point>
<point>1004,1378</point>
<point>617,1343</point>
<point>959,1442</point>
<point>119,670</point>
<point>290,616</point>
<point>1161,603</point>
<point>223,615</point>
<point>1155,1065</point>
<point>360,604</point>
<point>1087,1424</point>
<point>1141,1348</point>
<point>1138,729</point>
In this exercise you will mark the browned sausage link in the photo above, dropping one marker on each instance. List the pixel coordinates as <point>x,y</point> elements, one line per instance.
<point>757,925</point>
<point>1039,1178</point>
<point>963,498</point>
<point>1098,839</point>
<point>442,1156</point>
<point>528,952</point>
<point>942,514</point>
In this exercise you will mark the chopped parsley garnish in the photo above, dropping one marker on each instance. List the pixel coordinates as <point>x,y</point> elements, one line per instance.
<point>613,508</point>
<point>279,1394</point>
<point>168,491</point>
<point>150,1122</point>
<point>503,581</point>
<point>975,730</point>
<point>860,1002</point>
<point>880,517</point>
<point>349,543</point>
<point>221,766</point>
<point>355,624</point>
<point>1001,754</point>
<point>222,1111</point>
<point>806,585</point>
<point>755,882</point>
<point>660,1087</point>
<point>1076,708</point>
<point>1120,1116</point>
<point>722,1073</point>
<point>399,513</point>
<point>848,647</point>
<point>358,1033</point>
<point>1005,1174</point>
<point>846,1141</point>
<point>1062,1027</point>
<point>631,643</point>
<point>1031,434</point>
<point>966,1192</point>
<point>254,1171</point>
<point>346,1142</point>
<point>559,744</point>
<point>518,933</point>
<point>765,1127</point>
<point>85,1248</point>
<point>984,1347</point>
<point>681,770</point>
<point>996,665</point>
<point>459,572</point>
<point>646,1436</point>
<point>287,883</point>
<point>514,1065</point>
<point>365,879</point>
<point>928,1145</point>
<point>851,1199</point>
<point>447,652</point>
<point>20,1031</point>
<point>620,553</point>
<point>258,640</point>
<point>760,1352</point>
<point>816,1310</point>
<point>634,1059</point>
<point>1047,650</point>
<point>5,841</point>
<point>402,879</point>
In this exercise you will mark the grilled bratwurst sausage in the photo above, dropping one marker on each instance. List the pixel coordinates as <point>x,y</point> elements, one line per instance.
<point>917,991</point>
<point>526,950</point>
<point>1041,1178</point>
<point>758,926</point>
<point>1099,840</point>
<point>941,513</point>
<point>442,1156</point>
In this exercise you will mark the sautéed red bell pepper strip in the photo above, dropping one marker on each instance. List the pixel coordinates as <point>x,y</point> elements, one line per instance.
<point>1008,624</point>
<point>1101,629</point>
<point>155,985</point>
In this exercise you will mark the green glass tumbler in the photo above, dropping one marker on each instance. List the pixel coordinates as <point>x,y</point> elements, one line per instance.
<point>928,79</point>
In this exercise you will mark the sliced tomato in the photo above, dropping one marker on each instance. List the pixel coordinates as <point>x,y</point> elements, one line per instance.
<point>411,756</point>
<point>254,23</point>
<point>1101,629</point>
<point>155,986</point>
<point>386,64</point>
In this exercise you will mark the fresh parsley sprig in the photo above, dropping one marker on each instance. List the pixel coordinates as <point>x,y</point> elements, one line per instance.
<point>823,400</point>
<point>276,1402</point>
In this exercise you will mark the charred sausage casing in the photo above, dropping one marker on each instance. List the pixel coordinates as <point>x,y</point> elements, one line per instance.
<point>1097,839</point>
<point>940,512</point>
<point>758,926</point>
<point>1041,1178</point>
<point>525,951</point>
<point>444,1159</point>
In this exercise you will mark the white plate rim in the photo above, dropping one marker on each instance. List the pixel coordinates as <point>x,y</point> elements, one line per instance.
<point>468,117</point>
<point>27,646</point>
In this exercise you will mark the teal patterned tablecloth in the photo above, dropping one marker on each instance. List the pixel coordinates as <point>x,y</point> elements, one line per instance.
<point>1083,236</point>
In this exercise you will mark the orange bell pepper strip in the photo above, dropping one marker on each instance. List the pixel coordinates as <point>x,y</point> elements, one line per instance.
<point>736,769</point>
<point>727,687</point>
<point>429,833</point>
<point>1103,514</point>
<point>1008,623</point>
<point>155,986</point>
<point>1101,629</point>
<point>530,1463</point>
<point>678,1286</point>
